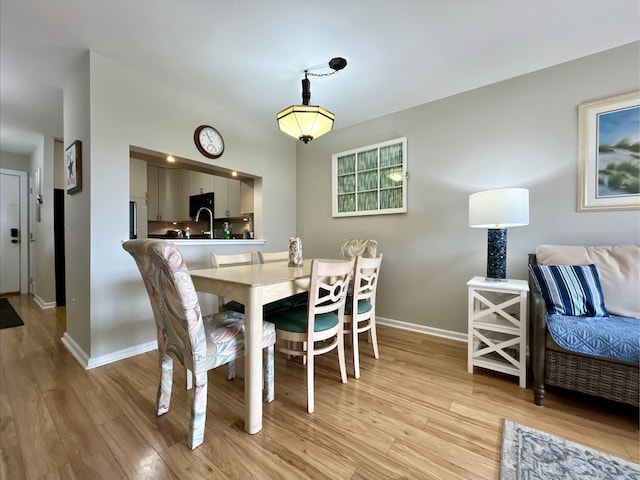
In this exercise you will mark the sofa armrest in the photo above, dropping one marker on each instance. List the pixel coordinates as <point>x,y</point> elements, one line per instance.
<point>537,336</point>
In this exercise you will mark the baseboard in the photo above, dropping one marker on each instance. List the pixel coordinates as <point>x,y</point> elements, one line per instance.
<point>42,304</point>
<point>436,332</point>
<point>88,363</point>
<point>75,350</point>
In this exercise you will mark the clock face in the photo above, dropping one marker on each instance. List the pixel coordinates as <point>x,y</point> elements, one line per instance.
<point>209,141</point>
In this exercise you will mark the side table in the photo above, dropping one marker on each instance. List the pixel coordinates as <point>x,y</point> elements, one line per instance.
<point>497,337</point>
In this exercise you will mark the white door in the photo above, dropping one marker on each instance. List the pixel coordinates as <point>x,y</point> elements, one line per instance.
<point>10,233</point>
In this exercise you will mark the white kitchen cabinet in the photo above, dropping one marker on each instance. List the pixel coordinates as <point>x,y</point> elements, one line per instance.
<point>221,197</point>
<point>201,183</point>
<point>234,198</point>
<point>138,193</point>
<point>152,192</point>
<point>166,198</point>
<point>246,196</point>
<point>227,197</point>
<point>137,178</point>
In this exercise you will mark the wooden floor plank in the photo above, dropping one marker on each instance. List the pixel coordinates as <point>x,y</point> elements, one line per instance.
<point>11,461</point>
<point>415,413</point>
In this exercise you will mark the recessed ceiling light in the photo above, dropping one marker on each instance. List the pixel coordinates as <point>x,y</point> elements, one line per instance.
<point>170,159</point>
<point>234,174</point>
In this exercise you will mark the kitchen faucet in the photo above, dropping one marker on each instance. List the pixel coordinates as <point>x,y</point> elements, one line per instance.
<point>210,232</point>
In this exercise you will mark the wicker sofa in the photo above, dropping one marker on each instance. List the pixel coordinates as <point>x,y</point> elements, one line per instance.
<point>618,268</point>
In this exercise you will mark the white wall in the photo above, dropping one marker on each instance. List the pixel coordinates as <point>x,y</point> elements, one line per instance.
<point>521,132</point>
<point>110,107</point>
<point>77,212</point>
<point>14,161</point>
<point>42,242</point>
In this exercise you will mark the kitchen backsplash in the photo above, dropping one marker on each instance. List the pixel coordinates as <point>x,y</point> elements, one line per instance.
<point>161,228</point>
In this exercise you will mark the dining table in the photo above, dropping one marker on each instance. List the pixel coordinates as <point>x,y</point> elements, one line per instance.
<point>254,286</point>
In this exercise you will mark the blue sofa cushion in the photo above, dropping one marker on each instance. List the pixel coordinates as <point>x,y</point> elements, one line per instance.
<point>612,337</point>
<point>570,290</point>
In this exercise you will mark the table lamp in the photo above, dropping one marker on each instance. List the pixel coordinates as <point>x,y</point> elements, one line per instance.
<point>497,210</point>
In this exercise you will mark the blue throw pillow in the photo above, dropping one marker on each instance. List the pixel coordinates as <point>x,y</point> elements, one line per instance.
<point>570,290</point>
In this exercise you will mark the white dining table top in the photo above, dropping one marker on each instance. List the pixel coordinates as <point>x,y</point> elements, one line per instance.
<point>255,275</point>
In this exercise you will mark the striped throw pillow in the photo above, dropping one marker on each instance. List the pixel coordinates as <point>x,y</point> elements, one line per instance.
<point>570,290</point>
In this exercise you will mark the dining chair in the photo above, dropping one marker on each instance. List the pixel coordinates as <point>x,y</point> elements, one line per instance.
<point>360,308</point>
<point>353,247</point>
<point>234,259</point>
<point>198,343</point>
<point>317,328</point>
<point>218,261</point>
<point>272,257</point>
<point>267,257</point>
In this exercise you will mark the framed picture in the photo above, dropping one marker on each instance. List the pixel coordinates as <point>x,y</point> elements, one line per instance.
<point>609,153</point>
<point>73,167</point>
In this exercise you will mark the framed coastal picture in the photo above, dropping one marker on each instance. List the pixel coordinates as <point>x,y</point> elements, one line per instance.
<point>73,167</point>
<point>609,153</point>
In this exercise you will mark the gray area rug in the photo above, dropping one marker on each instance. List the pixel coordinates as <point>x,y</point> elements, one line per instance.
<point>531,454</point>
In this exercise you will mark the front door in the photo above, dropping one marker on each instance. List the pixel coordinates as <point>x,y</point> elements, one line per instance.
<point>10,234</point>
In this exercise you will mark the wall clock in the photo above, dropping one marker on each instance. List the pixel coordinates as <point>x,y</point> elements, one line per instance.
<point>209,141</point>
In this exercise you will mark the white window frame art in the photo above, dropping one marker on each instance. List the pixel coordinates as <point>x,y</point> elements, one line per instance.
<point>383,189</point>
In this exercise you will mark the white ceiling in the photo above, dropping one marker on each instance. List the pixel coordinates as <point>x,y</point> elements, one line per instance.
<point>251,54</point>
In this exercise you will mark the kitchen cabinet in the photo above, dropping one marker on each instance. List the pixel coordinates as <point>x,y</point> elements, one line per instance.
<point>152,192</point>
<point>228,197</point>
<point>200,182</point>
<point>246,196</point>
<point>234,198</point>
<point>138,194</point>
<point>166,200</point>
<point>137,178</point>
<point>221,198</point>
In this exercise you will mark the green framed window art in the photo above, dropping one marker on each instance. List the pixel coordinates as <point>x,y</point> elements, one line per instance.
<point>370,180</point>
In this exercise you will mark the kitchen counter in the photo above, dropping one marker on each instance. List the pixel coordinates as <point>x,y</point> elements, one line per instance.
<point>212,241</point>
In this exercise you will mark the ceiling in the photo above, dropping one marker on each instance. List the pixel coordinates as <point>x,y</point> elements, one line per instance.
<point>250,55</point>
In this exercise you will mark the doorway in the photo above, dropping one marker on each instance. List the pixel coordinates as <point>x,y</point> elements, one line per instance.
<point>13,232</point>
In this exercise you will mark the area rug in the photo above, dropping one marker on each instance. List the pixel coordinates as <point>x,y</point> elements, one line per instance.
<point>8,316</point>
<point>531,454</point>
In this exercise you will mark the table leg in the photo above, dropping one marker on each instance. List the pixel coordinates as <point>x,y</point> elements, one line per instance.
<point>253,362</point>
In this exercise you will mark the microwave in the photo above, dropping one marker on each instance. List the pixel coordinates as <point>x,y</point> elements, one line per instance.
<point>198,201</point>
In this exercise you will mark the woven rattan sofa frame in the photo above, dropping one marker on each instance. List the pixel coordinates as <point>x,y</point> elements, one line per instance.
<point>574,371</point>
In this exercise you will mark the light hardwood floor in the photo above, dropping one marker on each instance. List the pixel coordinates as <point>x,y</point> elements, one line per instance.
<point>415,413</point>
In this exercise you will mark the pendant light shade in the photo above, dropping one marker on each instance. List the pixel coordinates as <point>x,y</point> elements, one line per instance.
<point>305,122</point>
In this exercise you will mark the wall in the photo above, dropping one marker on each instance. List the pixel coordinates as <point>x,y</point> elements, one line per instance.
<point>41,243</point>
<point>521,132</point>
<point>110,107</point>
<point>14,161</point>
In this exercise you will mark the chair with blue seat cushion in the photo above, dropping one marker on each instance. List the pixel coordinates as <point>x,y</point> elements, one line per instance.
<point>236,259</point>
<point>363,317</point>
<point>198,343</point>
<point>218,261</point>
<point>317,328</point>
<point>283,256</point>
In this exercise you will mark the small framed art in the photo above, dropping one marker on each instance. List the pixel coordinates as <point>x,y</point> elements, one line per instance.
<point>609,153</point>
<point>73,167</point>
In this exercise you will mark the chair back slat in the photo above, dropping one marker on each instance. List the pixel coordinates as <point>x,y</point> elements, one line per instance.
<point>267,257</point>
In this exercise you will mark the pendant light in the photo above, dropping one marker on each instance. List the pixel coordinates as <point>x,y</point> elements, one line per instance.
<point>306,122</point>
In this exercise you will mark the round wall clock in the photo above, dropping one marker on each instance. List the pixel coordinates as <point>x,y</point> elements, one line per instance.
<point>209,141</point>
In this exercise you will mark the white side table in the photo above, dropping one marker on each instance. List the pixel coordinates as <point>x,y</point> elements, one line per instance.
<point>498,326</point>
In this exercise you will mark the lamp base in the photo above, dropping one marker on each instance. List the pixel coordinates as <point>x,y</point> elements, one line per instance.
<point>496,254</point>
